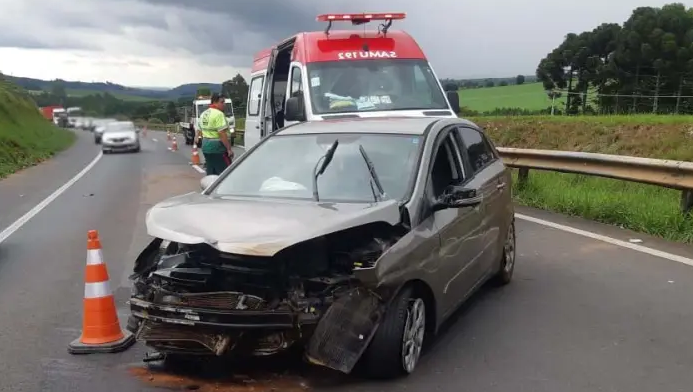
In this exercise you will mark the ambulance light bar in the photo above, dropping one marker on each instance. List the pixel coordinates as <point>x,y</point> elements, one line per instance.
<point>358,19</point>
<point>362,18</point>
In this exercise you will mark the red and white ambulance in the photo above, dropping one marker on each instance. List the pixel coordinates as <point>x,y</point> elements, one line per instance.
<point>315,76</point>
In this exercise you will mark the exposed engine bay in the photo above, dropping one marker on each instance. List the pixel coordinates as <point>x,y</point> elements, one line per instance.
<point>196,300</point>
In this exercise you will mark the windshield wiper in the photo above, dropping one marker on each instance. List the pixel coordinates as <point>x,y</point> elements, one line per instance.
<point>320,167</point>
<point>374,176</point>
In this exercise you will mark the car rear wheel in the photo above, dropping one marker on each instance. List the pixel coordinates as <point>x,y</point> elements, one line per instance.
<point>396,347</point>
<point>507,263</point>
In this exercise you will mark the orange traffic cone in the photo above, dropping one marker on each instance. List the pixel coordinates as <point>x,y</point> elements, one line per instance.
<point>144,131</point>
<point>195,155</point>
<point>101,332</point>
<point>174,144</point>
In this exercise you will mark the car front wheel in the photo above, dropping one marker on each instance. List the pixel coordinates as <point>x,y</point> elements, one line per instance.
<point>396,347</point>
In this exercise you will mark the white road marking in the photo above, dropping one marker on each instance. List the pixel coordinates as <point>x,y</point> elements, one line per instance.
<point>43,204</point>
<point>199,169</point>
<point>154,140</point>
<point>608,240</point>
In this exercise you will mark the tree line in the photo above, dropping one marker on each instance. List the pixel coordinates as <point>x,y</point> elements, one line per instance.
<point>642,66</point>
<point>166,111</point>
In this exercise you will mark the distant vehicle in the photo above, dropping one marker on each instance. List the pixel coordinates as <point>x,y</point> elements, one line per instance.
<point>73,114</point>
<point>47,111</point>
<point>192,115</point>
<point>120,136</point>
<point>354,239</point>
<point>321,75</point>
<point>60,117</point>
<point>100,128</point>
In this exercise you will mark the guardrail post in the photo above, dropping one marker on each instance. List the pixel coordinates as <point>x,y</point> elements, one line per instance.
<point>686,201</point>
<point>522,176</point>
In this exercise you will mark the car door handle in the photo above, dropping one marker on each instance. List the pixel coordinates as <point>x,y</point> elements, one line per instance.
<point>500,185</point>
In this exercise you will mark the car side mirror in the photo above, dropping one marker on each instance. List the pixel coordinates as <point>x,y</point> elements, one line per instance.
<point>454,99</point>
<point>206,181</point>
<point>456,197</point>
<point>295,109</point>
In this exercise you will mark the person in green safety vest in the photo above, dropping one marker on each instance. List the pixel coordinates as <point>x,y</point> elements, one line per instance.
<point>214,128</point>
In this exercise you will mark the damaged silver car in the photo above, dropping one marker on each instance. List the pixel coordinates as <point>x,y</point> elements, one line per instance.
<point>352,240</point>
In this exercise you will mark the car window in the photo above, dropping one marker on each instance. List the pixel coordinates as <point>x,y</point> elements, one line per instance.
<point>283,165</point>
<point>445,170</point>
<point>478,148</point>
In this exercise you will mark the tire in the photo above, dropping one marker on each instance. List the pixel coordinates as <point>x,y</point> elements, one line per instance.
<point>97,141</point>
<point>137,149</point>
<point>385,357</point>
<point>507,261</point>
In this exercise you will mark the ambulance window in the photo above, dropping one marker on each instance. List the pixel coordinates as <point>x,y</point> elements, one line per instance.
<point>296,81</point>
<point>254,95</point>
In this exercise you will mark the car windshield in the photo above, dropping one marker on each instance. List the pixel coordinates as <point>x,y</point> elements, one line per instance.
<point>282,166</point>
<point>119,127</point>
<point>368,85</point>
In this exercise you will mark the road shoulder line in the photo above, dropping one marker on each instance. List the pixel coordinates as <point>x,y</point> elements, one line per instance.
<point>16,225</point>
<point>608,240</point>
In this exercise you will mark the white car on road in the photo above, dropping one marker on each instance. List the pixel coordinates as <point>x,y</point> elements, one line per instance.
<point>120,136</point>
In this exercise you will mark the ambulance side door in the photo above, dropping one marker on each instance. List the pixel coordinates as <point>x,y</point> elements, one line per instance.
<point>252,133</point>
<point>295,87</point>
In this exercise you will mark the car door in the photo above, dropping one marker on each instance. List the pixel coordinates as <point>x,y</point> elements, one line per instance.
<point>489,175</point>
<point>458,228</point>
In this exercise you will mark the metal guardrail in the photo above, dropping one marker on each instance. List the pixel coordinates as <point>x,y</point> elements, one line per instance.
<point>664,173</point>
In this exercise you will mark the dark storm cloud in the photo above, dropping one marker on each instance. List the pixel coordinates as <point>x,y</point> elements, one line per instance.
<point>22,40</point>
<point>254,24</point>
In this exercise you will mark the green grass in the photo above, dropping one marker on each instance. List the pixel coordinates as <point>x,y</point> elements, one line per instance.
<point>643,208</point>
<point>530,96</point>
<point>26,138</point>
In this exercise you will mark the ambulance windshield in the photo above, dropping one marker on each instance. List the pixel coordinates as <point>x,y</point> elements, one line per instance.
<point>374,85</point>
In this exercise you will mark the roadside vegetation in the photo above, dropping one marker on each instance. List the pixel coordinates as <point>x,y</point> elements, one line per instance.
<point>26,138</point>
<point>643,208</point>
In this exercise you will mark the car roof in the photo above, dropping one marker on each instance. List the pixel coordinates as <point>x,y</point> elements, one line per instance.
<point>386,125</point>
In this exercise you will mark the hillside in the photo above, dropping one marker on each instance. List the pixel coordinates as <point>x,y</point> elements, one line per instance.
<point>76,88</point>
<point>26,138</point>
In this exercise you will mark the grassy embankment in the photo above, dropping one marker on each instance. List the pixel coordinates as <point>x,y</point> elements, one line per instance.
<point>26,138</point>
<point>644,208</point>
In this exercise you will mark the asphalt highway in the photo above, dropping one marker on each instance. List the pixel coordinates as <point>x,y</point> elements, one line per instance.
<point>582,314</point>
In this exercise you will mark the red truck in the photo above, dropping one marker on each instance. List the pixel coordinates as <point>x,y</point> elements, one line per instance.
<point>47,111</point>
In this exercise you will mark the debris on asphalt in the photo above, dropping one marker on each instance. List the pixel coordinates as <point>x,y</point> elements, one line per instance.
<point>237,383</point>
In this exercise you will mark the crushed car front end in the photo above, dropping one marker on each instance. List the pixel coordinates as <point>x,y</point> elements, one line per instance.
<point>195,299</point>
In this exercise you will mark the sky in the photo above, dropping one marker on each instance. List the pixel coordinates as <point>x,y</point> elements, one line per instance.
<point>165,43</point>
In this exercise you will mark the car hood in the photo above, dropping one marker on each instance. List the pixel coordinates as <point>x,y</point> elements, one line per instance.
<point>258,227</point>
<point>119,134</point>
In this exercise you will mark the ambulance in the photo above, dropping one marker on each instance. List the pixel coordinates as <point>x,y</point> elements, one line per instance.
<point>315,76</point>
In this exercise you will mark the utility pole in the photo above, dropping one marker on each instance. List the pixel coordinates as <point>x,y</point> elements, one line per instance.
<point>656,98</point>
<point>678,95</point>
<point>637,77</point>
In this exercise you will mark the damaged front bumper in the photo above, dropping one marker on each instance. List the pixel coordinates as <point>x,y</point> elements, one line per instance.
<point>332,318</point>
